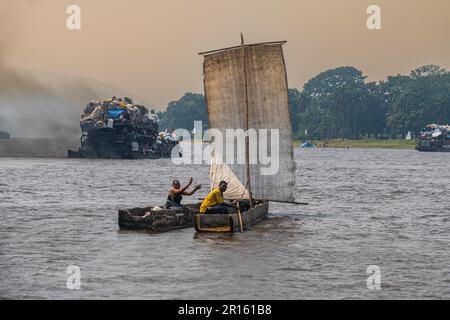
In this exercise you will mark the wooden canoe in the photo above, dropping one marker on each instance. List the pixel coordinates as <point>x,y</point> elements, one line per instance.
<point>158,220</point>
<point>230,222</point>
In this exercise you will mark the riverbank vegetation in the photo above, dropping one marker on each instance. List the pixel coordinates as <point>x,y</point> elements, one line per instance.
<point>363,143</point>
<point>341,104</point>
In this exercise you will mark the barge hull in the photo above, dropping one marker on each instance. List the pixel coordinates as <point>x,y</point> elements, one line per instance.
<point>433,149</point>
<point>114,155</point>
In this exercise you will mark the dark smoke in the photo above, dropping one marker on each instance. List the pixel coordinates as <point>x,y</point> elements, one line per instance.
<point>40,105</point>
<point>31,108</point>
<point>28,107</point>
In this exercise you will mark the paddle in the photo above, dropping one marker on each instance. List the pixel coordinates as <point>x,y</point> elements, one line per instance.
<point>240,217</point>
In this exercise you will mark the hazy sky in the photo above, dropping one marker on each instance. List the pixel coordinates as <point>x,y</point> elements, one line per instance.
<point>149,47</point>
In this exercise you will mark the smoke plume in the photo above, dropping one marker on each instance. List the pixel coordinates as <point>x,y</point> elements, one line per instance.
<point>38,105</point>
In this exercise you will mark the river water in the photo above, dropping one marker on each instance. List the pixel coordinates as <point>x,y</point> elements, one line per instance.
<point>388,208</point>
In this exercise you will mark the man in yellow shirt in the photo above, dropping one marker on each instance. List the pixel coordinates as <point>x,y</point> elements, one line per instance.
<point>214,202</point>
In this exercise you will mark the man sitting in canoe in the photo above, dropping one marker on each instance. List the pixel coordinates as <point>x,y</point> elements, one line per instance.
<point>214,203</point>
<point>176,193</point>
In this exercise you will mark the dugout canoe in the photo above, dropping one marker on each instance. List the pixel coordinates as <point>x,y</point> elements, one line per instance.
<point>159,220</point>
<point>246,90</point>
<point>225,223</point>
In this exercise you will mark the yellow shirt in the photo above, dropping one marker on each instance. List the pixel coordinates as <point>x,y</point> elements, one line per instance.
<point>214,198</point>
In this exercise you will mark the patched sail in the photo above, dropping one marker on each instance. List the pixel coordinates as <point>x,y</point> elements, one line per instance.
<point>246,88</point>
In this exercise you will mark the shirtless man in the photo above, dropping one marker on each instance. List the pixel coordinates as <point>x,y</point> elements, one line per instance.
<point>176,193</point>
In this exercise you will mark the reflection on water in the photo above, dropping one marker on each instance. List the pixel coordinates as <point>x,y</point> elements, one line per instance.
<point>367,207</point>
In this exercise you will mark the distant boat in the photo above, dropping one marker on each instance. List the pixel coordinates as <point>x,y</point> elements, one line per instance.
<point>434,138</point>
<point>119,129</point>
<point>4,135</point>
<point>307,144</point>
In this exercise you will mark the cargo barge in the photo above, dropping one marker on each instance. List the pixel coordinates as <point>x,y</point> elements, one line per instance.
<point>434,138</point>
<point>118,129</point>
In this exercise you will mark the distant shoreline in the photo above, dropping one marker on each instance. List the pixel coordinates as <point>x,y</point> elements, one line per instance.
<point>363,144</point>
<point>57,148</point>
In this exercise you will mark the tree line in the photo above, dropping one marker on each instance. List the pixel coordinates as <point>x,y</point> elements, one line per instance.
<point>340,103</point>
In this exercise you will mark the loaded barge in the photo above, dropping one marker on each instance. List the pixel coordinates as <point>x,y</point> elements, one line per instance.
<point>434,138</point>
<point>118,129</point>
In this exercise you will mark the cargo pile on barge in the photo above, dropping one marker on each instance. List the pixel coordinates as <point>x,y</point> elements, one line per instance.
<point>119,129</point>
<point>435,138</point>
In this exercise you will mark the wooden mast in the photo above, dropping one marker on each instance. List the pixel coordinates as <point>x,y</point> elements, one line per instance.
<point>248,184</point>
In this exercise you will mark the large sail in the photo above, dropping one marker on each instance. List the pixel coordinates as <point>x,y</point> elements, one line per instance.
<point>246,88</point>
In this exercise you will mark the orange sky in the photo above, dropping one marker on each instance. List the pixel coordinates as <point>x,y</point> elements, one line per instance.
<point>149,47</point>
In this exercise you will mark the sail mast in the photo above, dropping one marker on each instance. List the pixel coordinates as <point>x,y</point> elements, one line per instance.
<point>247,149</point>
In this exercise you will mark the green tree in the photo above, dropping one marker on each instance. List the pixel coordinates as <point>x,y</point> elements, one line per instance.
<point>294,102</point>
<point>338,103</point>
<point>416,100</point>
<point>182,113</point>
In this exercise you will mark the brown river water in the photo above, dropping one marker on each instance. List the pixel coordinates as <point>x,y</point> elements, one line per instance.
<point>388,208</point>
